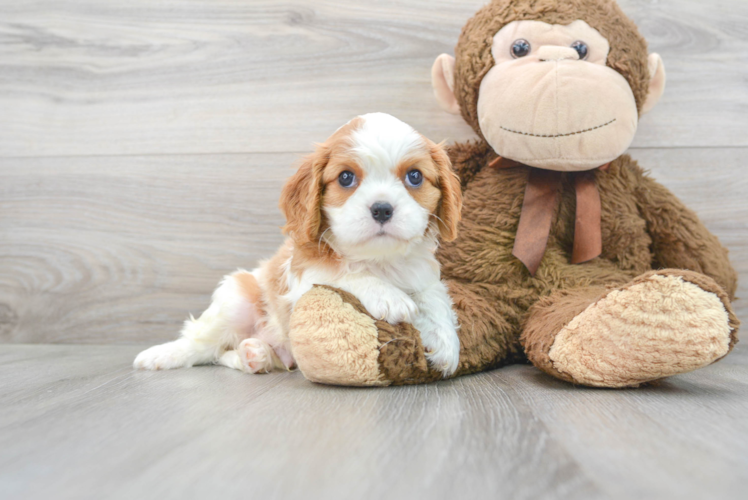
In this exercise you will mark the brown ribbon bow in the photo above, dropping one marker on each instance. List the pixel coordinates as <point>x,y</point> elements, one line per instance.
<point>541,199</point>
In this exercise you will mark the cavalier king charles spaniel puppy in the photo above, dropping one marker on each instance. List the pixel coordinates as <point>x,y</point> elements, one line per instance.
<point>364,213</point>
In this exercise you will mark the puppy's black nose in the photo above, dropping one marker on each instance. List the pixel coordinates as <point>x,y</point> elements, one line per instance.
<point>382,212</point>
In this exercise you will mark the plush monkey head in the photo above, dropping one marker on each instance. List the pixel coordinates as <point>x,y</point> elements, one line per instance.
<point>554,84</point>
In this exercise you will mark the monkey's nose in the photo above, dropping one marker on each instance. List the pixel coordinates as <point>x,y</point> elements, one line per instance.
<point>381,211</point>
<point>557,53</point>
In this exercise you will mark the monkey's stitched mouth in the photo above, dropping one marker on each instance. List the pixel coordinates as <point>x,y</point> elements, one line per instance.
<point>559,135</point>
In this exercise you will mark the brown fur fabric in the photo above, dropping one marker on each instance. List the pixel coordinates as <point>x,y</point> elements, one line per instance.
<point>705,283</point>
<point>547,317</point>
<point>507,315</point>
<point>494,293</point>
<point>628,54</point>
<point>551,314</point>
<point>401,358</point>
<point>644,226</point>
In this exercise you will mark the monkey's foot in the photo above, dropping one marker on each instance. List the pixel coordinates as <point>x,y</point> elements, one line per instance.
<point>661,324</point>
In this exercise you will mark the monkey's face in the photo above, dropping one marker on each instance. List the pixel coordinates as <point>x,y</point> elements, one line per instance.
<point>550,101</point>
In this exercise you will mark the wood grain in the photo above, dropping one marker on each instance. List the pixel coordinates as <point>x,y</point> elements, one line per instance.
<point>682,438</point>
<point>122,254</point>
<point>77,422</point>
<point>91,78</point>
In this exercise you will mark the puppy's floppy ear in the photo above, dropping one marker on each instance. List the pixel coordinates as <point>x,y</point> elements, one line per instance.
<point>301,198</point>
<point>450,206</point>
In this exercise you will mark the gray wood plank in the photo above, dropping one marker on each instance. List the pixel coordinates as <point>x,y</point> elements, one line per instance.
<point>81,78</point>
<point>122,254</point>
<point>125,252</point>
<point>683,438</point>
<point>78,423</point>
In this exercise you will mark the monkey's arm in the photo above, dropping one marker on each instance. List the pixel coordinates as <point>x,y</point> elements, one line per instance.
<point>468,158</point>
<point>679,239</point>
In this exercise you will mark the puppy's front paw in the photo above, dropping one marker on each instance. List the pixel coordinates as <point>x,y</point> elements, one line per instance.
<point>393,308</point>
<point>442,347</point>
<point>162,357</point>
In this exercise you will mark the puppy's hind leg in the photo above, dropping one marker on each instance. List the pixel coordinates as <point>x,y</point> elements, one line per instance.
<point>253,356</point>
<point>232,316</point>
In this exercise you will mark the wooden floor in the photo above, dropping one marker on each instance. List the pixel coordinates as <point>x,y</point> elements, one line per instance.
<point>77,422</point>
<point>143,146</point>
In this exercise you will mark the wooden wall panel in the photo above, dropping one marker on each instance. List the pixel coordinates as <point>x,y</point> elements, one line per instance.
<point>228,76</point>
<point>143,145</point>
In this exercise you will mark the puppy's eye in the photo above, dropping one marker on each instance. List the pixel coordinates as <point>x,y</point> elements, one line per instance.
<point>520,48</point>
<point>581,49</point>
<point>346,179</point>
<point>414,178</point>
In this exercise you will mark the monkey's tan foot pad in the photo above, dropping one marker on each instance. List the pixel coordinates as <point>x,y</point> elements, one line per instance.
<point>661,324</point>
<point>335,341</point>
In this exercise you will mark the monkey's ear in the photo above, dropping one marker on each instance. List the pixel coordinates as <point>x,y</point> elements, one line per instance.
<point>443,81</point>
<point>656,82</point>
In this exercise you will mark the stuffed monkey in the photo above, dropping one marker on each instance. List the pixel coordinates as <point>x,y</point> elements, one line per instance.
<point>569,255</point>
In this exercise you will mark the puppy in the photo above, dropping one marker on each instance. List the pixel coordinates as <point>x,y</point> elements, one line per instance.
<point>363,214</point>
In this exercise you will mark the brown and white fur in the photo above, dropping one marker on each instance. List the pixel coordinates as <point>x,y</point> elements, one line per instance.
<point>375,239</point>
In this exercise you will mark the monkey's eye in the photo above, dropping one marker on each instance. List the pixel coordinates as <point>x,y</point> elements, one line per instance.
<point>520,48</point>
<point>346,179</point>
<point>581,49</point>
<point>414,178</point>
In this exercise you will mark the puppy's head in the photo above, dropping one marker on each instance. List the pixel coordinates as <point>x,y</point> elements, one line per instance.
<point>375,187</point>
